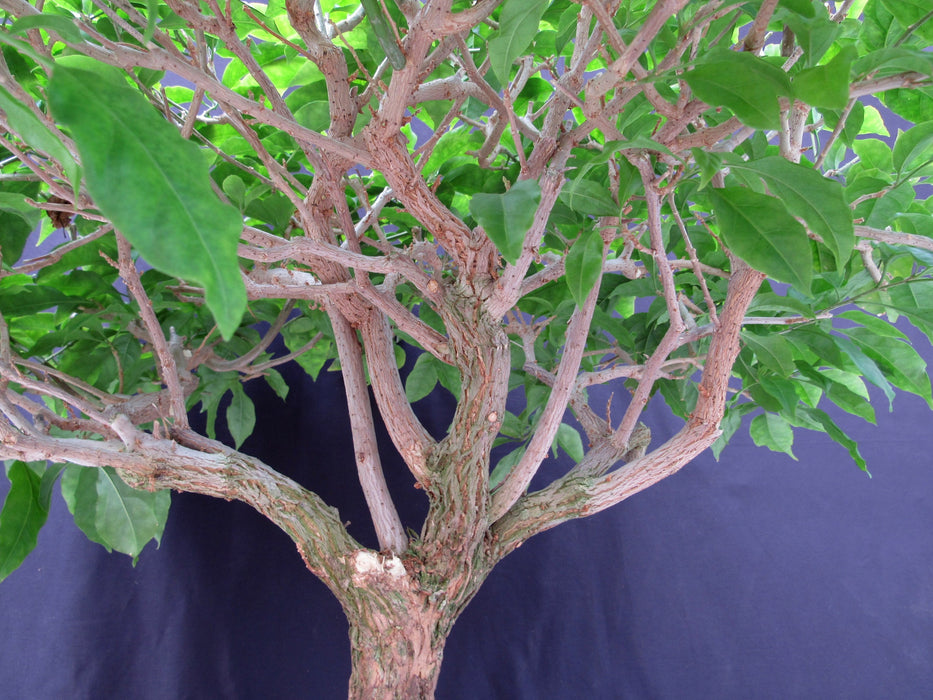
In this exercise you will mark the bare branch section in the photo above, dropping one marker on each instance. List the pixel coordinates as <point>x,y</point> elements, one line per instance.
<point>210,469</point>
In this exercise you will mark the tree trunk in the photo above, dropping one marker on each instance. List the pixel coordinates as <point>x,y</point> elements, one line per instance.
<point>396,652</point>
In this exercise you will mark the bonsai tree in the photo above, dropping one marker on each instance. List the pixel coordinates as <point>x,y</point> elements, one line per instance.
<point>677,198</point>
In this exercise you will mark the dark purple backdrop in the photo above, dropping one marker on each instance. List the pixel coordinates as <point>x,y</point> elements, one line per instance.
<point>754,577</point>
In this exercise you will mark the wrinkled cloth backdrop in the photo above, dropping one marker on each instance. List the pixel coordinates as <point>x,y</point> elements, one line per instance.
<point>753,577</point>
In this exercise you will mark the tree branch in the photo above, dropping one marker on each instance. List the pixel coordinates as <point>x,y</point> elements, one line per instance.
<point>408,434</point>
<point>168,367</point>
<point>315,527</point>
<point>582,492</point>
<point>517,480</point>
<point>369,466</point>
<point>894,237</point>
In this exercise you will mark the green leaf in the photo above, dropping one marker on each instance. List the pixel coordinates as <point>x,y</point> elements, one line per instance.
<point>817,200</point>
<point>31,299</point>
<point>801,7</point>
<point>504,466</point>
<point>745,84</point>
<point>913,104</point>
<point>18,220</point>
<point>569,440</point>
<point>782,389</point>
<point>566,27</point>
<point>588,197</point>
<point>28,126</point>
<point>772,431</point>
<point>507,217</point>
<point>850,402</point>
<point>518,26</point>
<point>866,365</point>
<point>15,203</point>
<point>61,25</point>
<point>731,421</point>
<point>901,364</point>
<point>888,61</point>
<point>913,147</point>
<point>773,351</point>
<point>814,34</point>
<point>422,379</point>
<point>111,513</point>
<point>152,184</point>
<point>915,301</point>
<point>234,187</point>
<point>759,229</point>
<point>385,35</point>
<point>152,16</point>
<point>826,86</point>
<point>452,144</point>
<point>837,434</point>
<point>241,415</point>
<point>709,164</point>
<point>911,12</point>
<point>449,377</point>
<point>278,384</point>
<point>583,265</point>
<point>24,513</point>
<point>639,142</point>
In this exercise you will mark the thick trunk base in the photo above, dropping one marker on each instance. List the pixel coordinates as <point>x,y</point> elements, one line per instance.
<point>399,660</point>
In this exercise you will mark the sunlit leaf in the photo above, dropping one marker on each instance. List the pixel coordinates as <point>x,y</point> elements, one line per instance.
<point>912,13</point>
<point>914,147</point>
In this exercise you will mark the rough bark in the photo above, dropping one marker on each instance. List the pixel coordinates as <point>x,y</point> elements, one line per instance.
<point>396,645</point>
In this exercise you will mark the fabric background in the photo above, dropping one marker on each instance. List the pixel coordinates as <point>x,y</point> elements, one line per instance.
<point>753,577</point>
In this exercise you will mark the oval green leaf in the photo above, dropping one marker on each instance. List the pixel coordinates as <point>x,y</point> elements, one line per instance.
<point>826,86</point>
<point>507,217</point>
<point>745,84</point>
<point>816,199</point>
<point>761,231</point>
<point>772,431</point>
<point>914,147</point>
<point>588,197</point>
<point>111,513</point>
<point>23,515</point>
<point>518,26</point>
<point>583,265</point>
<point>152,184</point>
<point>28,126</point>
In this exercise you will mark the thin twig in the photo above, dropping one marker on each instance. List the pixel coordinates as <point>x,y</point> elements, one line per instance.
<point>168,369</point>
